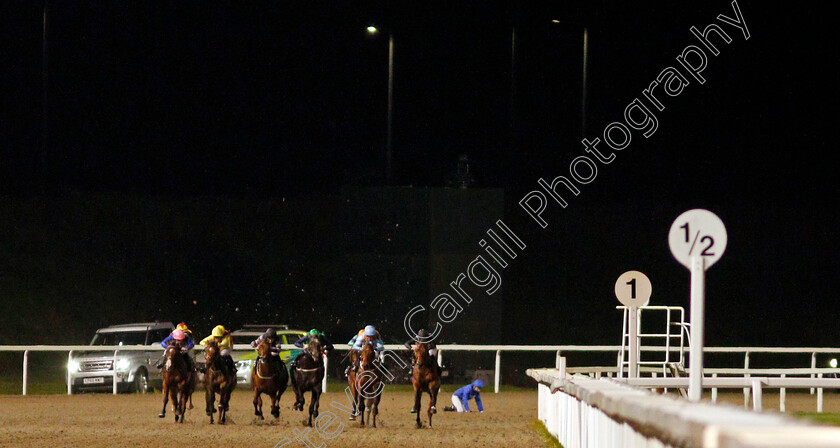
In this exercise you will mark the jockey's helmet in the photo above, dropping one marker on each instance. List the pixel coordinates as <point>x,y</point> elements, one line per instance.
<point>271,333</point>
<point>314,332</point>
<point>422,333</point>
<point>218,331</point>
<point>478,383</point>
<point>183,327</point>
<point>178,335</point>
<point>361,332</point>
<point>370,330</point>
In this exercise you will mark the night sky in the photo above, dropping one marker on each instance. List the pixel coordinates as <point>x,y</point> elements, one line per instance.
<point>142,107</point>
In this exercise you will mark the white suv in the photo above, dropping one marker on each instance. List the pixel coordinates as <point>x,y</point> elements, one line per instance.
<point>136,371</point>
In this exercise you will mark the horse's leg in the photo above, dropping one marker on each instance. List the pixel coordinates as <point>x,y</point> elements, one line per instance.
<point>375,410</point>
<point>210,398</point>
<point>173,395</point>
<point>313,405</point>
<point>351,378</point>
<point>165,401</point>
<point>224,403</point>
<point>275,406</point>
<point>182,403</point>
<point>192,387</point>
<point>362,410</point>
<point>258,403</point>
<point>317,400</point>
<point>417,403</point>
<point>432,399</point>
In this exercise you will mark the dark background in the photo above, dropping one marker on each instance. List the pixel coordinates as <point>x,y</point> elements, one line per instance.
<point>214,164</point>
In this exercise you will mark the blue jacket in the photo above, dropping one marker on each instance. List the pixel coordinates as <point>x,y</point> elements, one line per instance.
<point>188,340</point>
<point>465,393</point>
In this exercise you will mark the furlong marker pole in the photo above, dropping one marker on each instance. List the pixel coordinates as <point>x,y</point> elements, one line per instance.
<point>698,297</point>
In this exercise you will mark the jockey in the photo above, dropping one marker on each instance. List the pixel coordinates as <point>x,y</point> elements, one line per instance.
<point>180,337</point>
<point>411,343</point>
<point>270,338</point>
<point>461,397</point>
<point>370,336</point>
<point>222,338</point>
<point>326,345</point>
<point>360,334</point>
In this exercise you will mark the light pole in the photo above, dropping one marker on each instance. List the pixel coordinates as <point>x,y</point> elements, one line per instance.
<point>389,121</point>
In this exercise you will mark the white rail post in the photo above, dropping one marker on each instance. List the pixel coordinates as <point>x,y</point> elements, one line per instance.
<point>714,390</point>
<point>813,366</point>
<point>782,397</point>
<point>756,390</point>
<point>746,375</point>
<point>562,367</point>
<point>440,357</point>
<point>25,370</point>
<point>633,326</point>
<point>698,298</point>
<point>819,396</point>
<point>114,388</point>
<point>326,374</point>
<point>498,378</point>
<point>69,380</point>
<point>557,360</point>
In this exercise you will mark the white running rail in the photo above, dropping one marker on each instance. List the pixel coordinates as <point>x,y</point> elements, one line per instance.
<point>584,412</point>
<point>498,349</point>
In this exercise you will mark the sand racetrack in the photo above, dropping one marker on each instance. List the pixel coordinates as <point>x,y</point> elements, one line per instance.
<point>104,420</point>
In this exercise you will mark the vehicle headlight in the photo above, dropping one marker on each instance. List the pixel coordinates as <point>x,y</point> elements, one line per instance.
<point>73,366</point>
<point>123,364</point>
<point>833,363</point>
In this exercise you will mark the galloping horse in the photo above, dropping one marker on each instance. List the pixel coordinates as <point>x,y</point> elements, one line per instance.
<point>307,376</point>
<point>217,378</point>
<point>178,382</point>
<point>268,379</point>
<point>351,382</point>
<point>425,378</point>
<point>370,385</point>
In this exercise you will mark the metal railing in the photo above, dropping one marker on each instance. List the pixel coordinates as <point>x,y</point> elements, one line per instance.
<point>498,349</point>
<point>585,412</point>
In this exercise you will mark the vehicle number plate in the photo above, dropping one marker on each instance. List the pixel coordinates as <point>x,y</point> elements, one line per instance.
<point>97,380</point>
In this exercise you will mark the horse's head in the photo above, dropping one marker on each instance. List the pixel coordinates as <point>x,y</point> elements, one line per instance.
<point>171,356</point>
<point>421,352</point>
<point>315,347</point>
<point>211,352</point>
<point>367,356</point>
<point>264,350</point>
